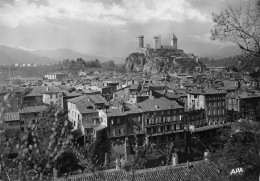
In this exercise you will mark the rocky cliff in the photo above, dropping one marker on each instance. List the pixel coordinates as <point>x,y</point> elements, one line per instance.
<point>161,61</point>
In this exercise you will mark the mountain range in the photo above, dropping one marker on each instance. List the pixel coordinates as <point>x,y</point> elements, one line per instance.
<point>11,55</point>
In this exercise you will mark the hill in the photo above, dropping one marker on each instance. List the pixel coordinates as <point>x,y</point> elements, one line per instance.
<point>11,55</point>
<point>161,61</point>
<point>63,53</point>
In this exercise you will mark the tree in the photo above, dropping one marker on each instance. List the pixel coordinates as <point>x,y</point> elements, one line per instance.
<point>40,148</point>
<point>242,146</point>
<point>240,25</point>
<point>101,146</point>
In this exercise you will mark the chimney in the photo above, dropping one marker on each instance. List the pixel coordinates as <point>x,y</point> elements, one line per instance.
<point>127,148</point>
<point>174,159</point>
<point>156,106</point>
<point>106,159</point>
<point>117,164</point>
<point>55,173</point>
<point>206,155</point>
<point>165,91</point>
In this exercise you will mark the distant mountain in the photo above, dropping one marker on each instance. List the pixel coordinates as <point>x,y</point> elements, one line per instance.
<point>12,55</point>
<point>63,53</point>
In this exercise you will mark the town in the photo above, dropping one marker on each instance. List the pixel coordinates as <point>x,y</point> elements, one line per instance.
<point>163,114</point>
<point>184,110</point>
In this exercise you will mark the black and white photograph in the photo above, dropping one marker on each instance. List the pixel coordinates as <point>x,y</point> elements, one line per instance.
<point>129,90</point>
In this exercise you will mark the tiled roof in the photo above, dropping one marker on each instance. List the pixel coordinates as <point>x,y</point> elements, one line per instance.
<point>33,109</point>
<point>158,104</point>
<point>206,91</point>
<point>209,127</point>
<point>115,113</point>
<point>12,116</point>
<point>72,94</point>
<point>134,86</point>
<point>77,99</point>
<point>243,96</point>
<point>170,95</point>
<point>97,99</point>
<point>83,103</point>
<point>33,94</point>
<point>42,89</point>
<point>198,171</point>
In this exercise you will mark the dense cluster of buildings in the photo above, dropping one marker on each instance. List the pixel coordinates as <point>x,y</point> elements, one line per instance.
<point>156,110</point>
<point>136,109</point>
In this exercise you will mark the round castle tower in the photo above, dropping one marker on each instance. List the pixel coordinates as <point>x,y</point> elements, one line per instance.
<point>140,41</point>
<point>174,41</point>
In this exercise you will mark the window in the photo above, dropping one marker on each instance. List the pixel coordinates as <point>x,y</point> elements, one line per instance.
<point>147,121</point>
<point>181,117</point>
<point>51,96</point>
<point>118,120</point>
<point>113,132</point>
<point>154,130</point>
<point>35,114</point>
<point>120,131</point>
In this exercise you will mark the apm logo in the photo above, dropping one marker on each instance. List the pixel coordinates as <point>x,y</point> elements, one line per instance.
<point>237,171</point>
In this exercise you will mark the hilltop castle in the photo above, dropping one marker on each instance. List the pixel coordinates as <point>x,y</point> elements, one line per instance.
<point>156,43</point>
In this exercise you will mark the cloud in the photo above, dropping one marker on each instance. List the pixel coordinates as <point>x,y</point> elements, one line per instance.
<point>115,13</point>
<point>205,38</point>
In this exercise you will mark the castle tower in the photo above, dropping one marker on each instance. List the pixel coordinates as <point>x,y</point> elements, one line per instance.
<point>174,41</point>
<point>140,41</point>
<point>157,42</point>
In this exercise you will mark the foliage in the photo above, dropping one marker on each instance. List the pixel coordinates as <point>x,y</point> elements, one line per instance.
<point>80,64</point>
<point>101,146</point>
<point>241,146</point>
<point>38,148</point>
<point>240,25</point>
<point>67,162</point>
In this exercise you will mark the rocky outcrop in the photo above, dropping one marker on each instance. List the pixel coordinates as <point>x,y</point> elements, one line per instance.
<point>161,61</point>
<point>135,62</point>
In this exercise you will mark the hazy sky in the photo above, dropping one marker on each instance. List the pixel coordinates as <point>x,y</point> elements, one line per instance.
<point>109,27</point>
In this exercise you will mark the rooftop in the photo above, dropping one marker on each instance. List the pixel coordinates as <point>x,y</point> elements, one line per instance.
<point>12,116</point>
<point>206,91</point>
<point>33,109</point>
<point>196,172</point>
<point>158,105</point>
